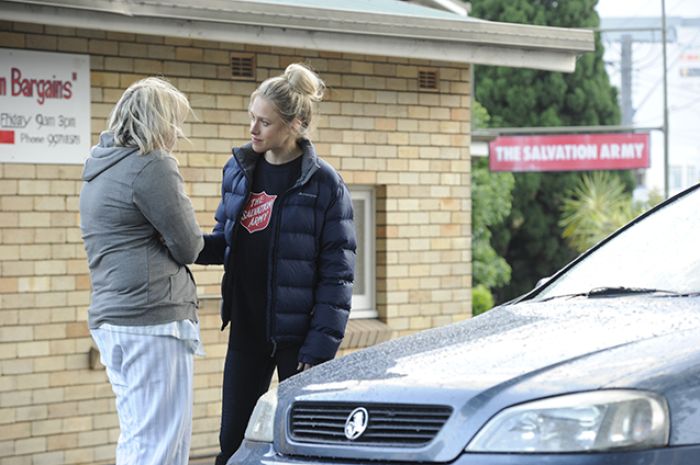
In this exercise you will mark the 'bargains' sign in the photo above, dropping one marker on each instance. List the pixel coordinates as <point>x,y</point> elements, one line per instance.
<point>44,107</point>
<point>570,152</point>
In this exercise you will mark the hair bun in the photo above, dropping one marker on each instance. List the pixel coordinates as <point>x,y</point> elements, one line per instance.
<point>304,81</point>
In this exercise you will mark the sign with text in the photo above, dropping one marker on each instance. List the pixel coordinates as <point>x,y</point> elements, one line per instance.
<point>570,152</point>
<point>44,107</point>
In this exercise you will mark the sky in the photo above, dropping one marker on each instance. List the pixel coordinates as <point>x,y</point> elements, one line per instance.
<point>683,8</point>
<point>647,78</point>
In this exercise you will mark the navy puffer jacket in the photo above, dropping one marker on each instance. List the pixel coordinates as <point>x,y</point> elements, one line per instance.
<point>312,258</point>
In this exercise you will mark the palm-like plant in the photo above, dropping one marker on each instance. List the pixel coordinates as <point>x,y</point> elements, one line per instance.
<point>594,208</point>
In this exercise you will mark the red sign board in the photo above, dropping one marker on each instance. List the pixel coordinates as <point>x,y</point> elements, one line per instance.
<point>570,152</point>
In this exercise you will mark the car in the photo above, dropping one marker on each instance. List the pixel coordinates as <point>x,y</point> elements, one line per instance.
<point>600,364</point>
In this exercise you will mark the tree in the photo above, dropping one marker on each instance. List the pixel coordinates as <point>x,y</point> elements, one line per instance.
<point>491,203</point>
<point>596,207</point>
<point>531,240</point>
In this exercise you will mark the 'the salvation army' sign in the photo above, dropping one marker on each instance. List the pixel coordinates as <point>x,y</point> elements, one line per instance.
<point>570,152</point>
<point>44,107</point>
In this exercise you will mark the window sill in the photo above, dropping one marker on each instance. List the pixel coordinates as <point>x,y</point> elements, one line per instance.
<point>361,333</point>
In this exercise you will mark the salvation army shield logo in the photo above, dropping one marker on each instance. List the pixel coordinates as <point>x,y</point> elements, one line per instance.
<point>257,212</point>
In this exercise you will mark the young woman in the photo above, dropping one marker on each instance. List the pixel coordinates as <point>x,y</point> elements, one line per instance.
<point>285,234</point>
<point>140,231</point>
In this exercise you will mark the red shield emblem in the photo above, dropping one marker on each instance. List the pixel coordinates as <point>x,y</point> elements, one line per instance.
<point>257,212</point>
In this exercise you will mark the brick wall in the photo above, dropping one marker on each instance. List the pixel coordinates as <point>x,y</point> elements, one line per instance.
<point>376,128</point>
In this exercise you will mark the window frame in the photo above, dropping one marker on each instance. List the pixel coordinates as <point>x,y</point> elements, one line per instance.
<point>364,305</point>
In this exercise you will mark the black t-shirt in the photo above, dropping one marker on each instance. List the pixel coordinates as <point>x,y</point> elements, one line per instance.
<point>251,251</point>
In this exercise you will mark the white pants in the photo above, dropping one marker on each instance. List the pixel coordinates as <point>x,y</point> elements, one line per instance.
<point>151,377</point>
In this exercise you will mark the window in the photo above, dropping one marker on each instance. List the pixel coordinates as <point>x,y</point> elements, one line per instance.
<point>363,304</point>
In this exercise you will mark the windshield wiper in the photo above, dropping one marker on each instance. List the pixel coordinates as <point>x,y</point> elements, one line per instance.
<point>614,291</point>
<point>622,290</point>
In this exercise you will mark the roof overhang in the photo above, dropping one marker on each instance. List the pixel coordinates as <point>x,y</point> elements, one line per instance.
<point>284,24</point>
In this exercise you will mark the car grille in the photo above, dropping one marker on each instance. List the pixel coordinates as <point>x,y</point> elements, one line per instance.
<point>388,425</point>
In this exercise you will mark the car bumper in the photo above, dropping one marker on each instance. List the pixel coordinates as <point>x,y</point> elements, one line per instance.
<point>256,453</point>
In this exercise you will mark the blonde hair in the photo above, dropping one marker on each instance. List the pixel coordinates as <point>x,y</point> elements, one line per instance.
<point>149,115</point>
<point>294,94</point>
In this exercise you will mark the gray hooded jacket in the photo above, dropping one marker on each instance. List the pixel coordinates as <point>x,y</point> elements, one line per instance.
<point>139,230</point>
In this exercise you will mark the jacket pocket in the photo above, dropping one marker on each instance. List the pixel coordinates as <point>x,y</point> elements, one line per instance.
<point>182,287</point>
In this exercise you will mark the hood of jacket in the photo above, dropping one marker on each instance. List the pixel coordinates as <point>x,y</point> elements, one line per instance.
<point>104,155</point>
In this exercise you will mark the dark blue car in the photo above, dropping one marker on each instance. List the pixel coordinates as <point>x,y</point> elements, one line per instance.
<point>599,365</point>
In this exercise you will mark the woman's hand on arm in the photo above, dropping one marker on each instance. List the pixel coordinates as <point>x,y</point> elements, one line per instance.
<point>160,196</point>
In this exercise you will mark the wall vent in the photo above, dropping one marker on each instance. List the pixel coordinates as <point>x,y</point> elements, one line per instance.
<point>243,66</point>
<point>428,79</point>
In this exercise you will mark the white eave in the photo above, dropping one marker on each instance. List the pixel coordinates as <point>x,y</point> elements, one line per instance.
<point>306,25</point>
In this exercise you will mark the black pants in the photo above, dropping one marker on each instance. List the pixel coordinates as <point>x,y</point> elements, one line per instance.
<point>247,375</point>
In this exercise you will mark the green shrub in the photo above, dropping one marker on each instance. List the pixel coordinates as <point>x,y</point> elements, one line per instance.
<point>482,299</point>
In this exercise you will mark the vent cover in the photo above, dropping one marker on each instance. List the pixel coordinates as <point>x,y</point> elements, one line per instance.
<point>243,66</point>
<point>428,79</point>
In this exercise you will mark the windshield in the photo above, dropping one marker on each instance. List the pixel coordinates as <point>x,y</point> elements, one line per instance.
<point>662,251</point>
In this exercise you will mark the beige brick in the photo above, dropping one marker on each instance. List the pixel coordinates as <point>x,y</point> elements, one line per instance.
<point>61,314</point>
<point>130,49</point>
<point>118,64</point>
<point>47,364</point>
<point>7,318</point>
<point>49,396</point>
<point>79,456</point>
<point>62,283</point>
<point>93,438</point>
<point>49,203</point>
<point>189,54</point>
<point>29,446</point>
<point>77,424</point>
<point>45,300</point>
<point>32,349</point>
<point>8,285</point>
<point>21,27</point>
<point>17,301</point>
<point>12,39</point>
<point>19,171</point>
<point>15,431</point>
<point>163,52</point>
<point>73,44</point>
<point>15,399</point>
<point>16,203</point>
<point>48,458</point>
<point>102,79</point>
<point>28,220</point>
<point>105,421</point>
<point>63,442</point>
<point>7,415</point>
<point>102,47</point>
<point>104,453</point>
<point>16,333</point>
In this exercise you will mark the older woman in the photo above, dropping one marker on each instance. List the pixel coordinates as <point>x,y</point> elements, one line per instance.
<point>140,232</point>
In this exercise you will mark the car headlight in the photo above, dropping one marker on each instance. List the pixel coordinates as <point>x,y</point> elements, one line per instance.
<point>261,424</point>
<point>584,422</point>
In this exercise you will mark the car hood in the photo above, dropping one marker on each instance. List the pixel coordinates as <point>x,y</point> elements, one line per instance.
<point>512,354</point>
